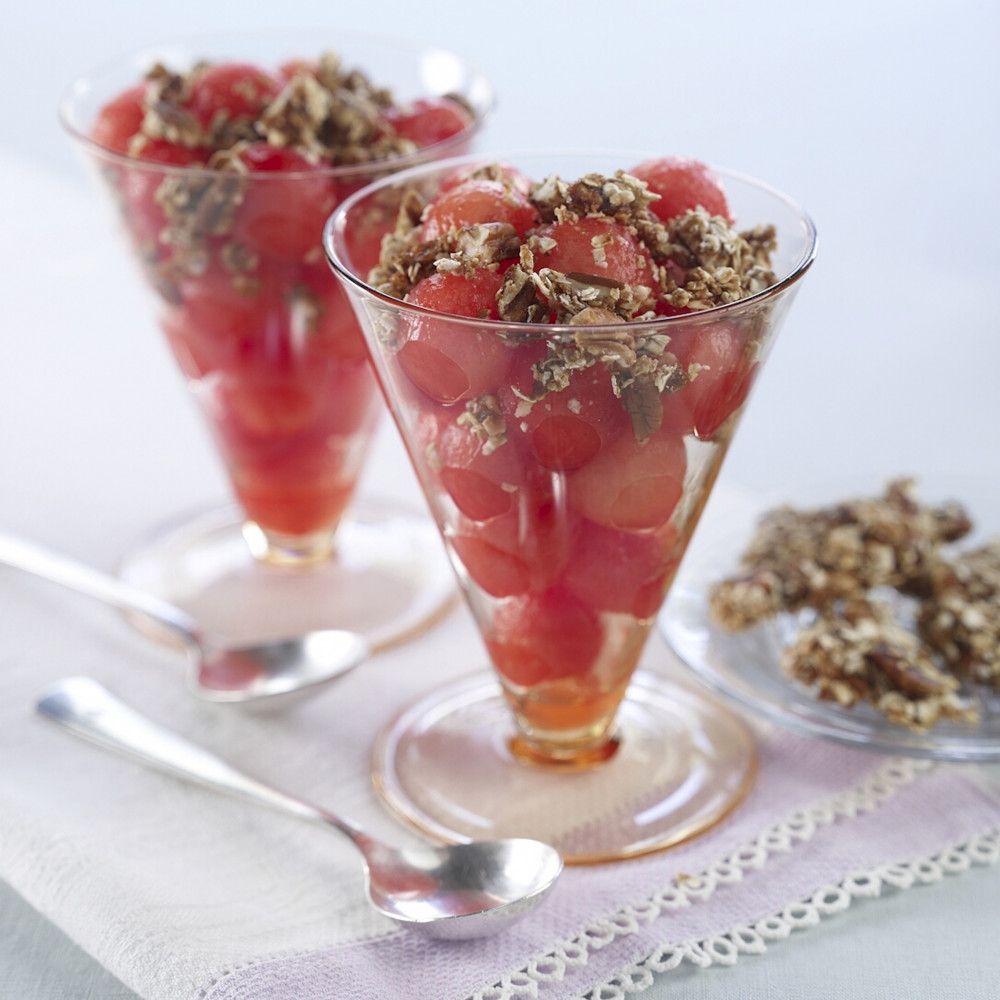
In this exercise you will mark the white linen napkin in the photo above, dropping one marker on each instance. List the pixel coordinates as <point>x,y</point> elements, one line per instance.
<point>185,894</point>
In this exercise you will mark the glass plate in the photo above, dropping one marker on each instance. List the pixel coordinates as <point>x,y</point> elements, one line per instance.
<point>744,668</point>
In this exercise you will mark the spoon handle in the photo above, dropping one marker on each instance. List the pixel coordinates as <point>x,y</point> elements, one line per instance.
<point>60,569</point>
<point>90,711</point>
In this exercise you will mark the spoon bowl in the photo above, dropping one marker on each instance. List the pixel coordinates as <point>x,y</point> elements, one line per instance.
<point>217,671</point>
<point>276,667</point>
<point>439,900</point>
<point>454,892</point>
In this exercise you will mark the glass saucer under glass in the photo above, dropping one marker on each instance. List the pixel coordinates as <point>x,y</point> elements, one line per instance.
<point>683,763</point>
<point>387,577</point>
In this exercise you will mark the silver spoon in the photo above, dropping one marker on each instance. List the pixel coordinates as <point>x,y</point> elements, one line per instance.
<point>453,893</point>
<point>218,672</point>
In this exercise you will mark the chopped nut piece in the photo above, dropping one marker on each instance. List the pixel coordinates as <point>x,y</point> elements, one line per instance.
<point>518,300</point>
<point>644,405</point>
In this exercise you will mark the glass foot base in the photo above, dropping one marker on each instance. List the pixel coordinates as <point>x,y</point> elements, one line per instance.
<point>389,577</point>
<point>446,767</point>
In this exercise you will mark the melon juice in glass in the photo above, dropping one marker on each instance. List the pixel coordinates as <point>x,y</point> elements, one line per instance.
<point>567,368</point>
<point>223,158</point>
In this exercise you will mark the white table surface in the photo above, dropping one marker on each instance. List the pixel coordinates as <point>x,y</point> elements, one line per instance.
<point>880,119</point>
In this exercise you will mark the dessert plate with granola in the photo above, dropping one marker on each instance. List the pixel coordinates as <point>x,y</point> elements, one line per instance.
<point>872,618</point>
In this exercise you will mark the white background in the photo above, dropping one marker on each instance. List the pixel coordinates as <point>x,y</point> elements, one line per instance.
<point>880,118</point>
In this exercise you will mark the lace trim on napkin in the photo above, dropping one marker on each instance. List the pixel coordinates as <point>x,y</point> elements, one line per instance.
<point>725,948</point>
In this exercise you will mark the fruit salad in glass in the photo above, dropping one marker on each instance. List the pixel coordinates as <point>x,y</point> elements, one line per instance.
<point>224,162</point>
<point>567,344</point>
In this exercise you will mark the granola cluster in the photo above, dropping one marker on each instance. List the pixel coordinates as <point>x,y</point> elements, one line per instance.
<point>813,558</point>
<point>857,648</point>
<point>860,652</point>
<point>962,623</point>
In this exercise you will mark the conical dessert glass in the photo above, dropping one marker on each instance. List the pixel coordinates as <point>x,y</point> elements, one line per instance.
<point>267,343</point>
<point>566,515</point>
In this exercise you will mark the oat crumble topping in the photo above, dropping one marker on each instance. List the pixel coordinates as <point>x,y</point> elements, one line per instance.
<point>327,111</point>
<point>719,264</point>
<point>622,197</point>
<point>330,113</point>
<point>709,264</point>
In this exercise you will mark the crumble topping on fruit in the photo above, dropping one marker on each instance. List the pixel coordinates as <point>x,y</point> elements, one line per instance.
<point>622,197</point>
<point>855,647</point>
<point>198,207</point>
<point>232,122</point>
<point>328,115</point>
<point>166,117</point>
<point>332,114</point>
<point>336,123</point>
<point>569,295</point>
<point>592,255</point>
<point>719,264</point>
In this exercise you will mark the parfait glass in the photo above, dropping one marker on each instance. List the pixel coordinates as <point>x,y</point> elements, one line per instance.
<point>262,332</point>
<point>565,527</point>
